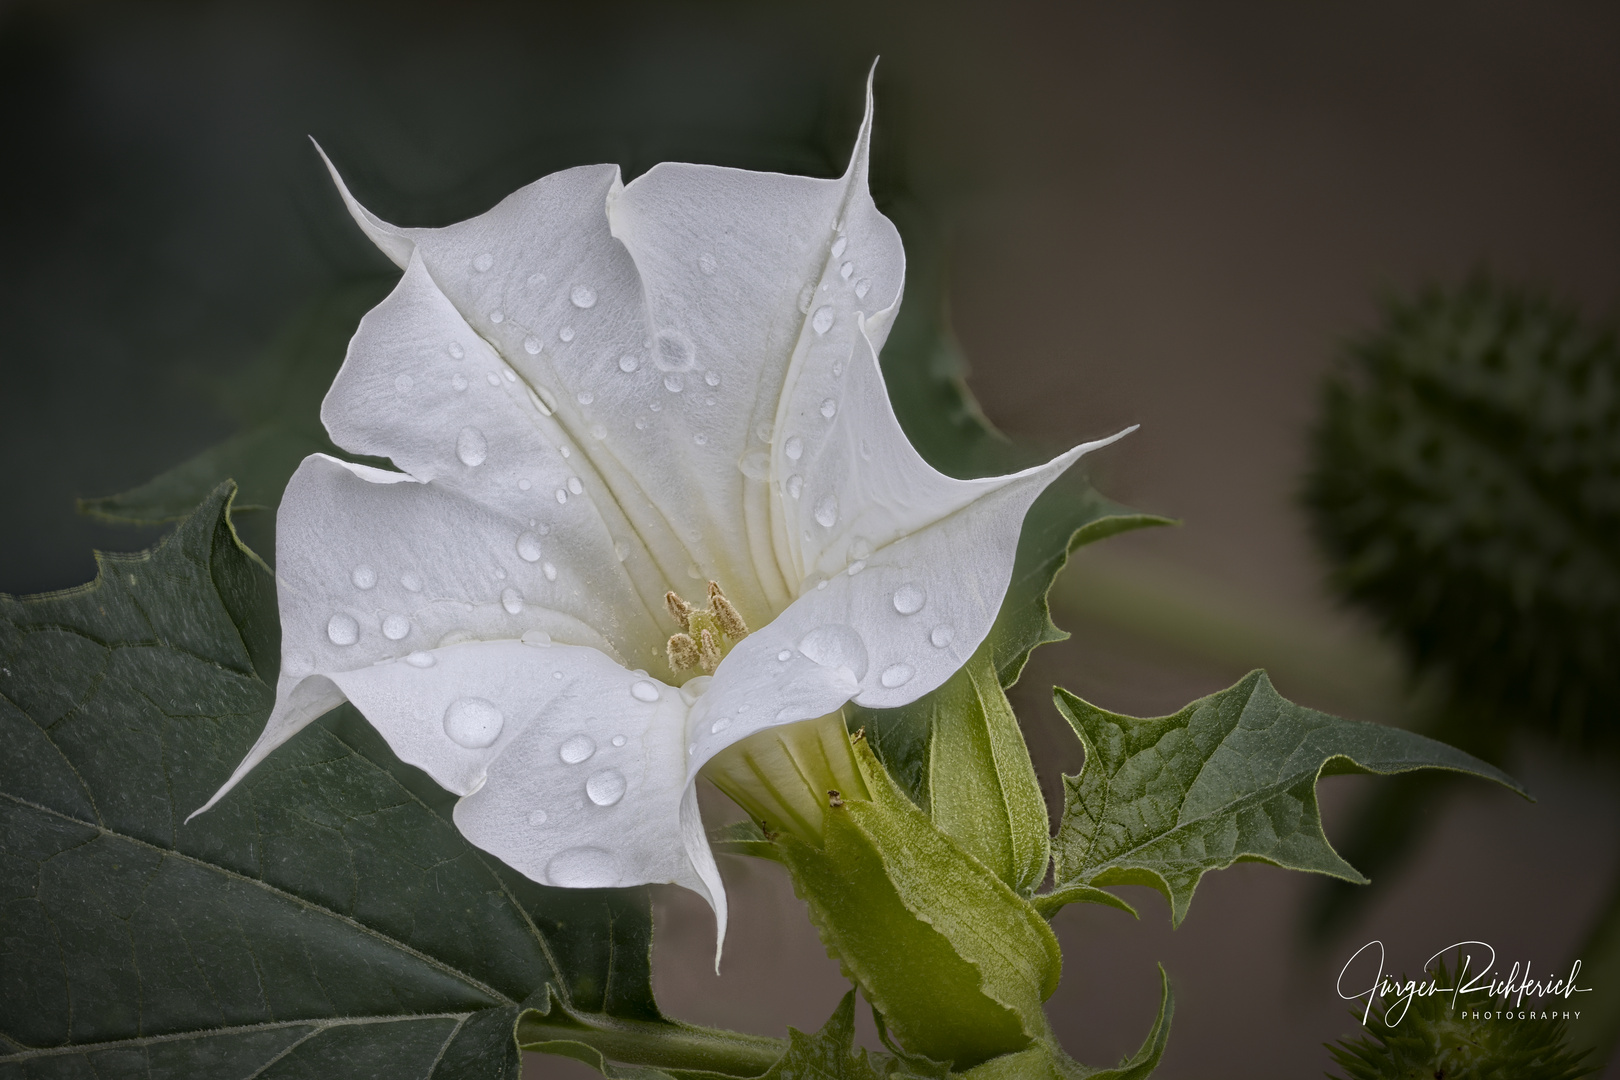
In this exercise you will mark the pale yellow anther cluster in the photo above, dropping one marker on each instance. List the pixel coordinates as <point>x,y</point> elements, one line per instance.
<point>707,634</point>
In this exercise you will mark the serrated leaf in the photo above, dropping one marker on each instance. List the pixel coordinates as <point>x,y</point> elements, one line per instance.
<point>277,402</point>
<point>829,1054</point>
<point>326,920</point>
<point>1231,777</point>
<point>956,961</point>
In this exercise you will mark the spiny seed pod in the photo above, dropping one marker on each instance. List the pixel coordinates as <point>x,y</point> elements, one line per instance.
<point>1482,1041</point>
<point>1465,482</point>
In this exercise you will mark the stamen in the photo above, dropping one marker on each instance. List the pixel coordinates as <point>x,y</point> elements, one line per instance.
<point>679,609</point>
<point>708,652</point>
<point>683,652</point>
<point>731,623</point>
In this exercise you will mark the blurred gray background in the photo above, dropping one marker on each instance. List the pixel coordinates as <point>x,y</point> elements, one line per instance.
<point>1169,214</point>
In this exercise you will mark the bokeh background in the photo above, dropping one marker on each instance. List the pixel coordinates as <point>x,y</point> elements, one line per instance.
<point>1171,214</point>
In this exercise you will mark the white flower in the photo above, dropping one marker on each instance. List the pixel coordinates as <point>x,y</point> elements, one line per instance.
<point>599,394</point>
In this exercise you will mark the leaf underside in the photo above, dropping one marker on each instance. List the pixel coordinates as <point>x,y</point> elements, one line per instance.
<point>1230,778</point>
<point>325,920</point>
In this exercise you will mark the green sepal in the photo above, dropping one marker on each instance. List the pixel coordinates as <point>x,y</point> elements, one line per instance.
<point>743,838</point>
<point>1047,1061</point>
<point>955,960</point>
<point>1230,778</point>
<point>1049,904</point>
<point>985,794</point>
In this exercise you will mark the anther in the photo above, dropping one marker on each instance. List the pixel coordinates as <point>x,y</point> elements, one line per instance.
<point>683,652</point>
<point>708,651</point>
<point>731,623</point>
<point>679,610</point>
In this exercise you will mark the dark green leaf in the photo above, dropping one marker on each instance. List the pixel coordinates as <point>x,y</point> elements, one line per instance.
<point>325,920</point>
<point>1231,777</point>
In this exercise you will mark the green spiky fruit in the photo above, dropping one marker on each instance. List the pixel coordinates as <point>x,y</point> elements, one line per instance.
<point>1433,1041</point>
<point>1466,484</point>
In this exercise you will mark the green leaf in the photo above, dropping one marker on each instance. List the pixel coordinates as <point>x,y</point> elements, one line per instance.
<point>1231,777</point>
<point>829,1054</point>
<point>955,960</point>
<point>1049,904</point>
<point>985,793</point>
<point>325,920</point>
<point>278,404</point>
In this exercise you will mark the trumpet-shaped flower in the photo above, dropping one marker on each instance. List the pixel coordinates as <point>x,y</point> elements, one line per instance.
<point>603,398</point>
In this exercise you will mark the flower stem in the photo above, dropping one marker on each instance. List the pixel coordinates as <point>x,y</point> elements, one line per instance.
<point>785,776</point>
<point>658,1043</point>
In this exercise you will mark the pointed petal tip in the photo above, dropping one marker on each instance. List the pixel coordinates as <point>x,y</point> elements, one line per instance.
<point>390,240</point>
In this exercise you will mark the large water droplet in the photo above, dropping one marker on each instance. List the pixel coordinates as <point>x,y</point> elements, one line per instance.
<point>364,577</point>
<point>420,659</point>
<point>342,629</point>
<point>839,245</point>
<point>673,351</point>
<point>862,287</point>
<point>836,646</point>
<point>909,598</point>
<point>583,868</point>
<point>795,485</point>
<point>822,320</point>
<point>627,364</point>
<point>793,448</point>
<point>897,675</point>
<point>583,296</point>
<point>483,262</point>
<point>706,263</point>
<point>456,351</point>
<point>395,626</point>
<point>606,787</point>
<point>829,408</point>
<point>644,691</point>
<point>941,635</point>
<point>826,511</point>
<point>576,748</point>
<point>531,345</point>
<point>566,334</point>
<point>473,723</point>
<point>512,601</point>
<point>528,547</point>
<point>471,447</point>
<point>756,465</point>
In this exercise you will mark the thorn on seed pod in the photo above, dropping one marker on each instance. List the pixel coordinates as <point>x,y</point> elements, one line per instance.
<point>834,799</point>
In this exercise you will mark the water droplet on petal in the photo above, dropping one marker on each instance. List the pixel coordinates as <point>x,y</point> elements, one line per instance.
<point>641,423</point>
<point>606,787</point>
<point>473,723</point>
<point>342,629</point>
<point>644,691</point>
<point>793,448</point>
<point>862,287</point>
<point>585,397</point>
<point>395,627</point>
<point>459,382</point>
<point>618,740</point>
<point>420,659</point>
<point>528,547</point>
<point>861,548</point>
<point>493,379</point>
<point>829,408</point>
<point>483,262</point>
<point>856,567</point>
<point>806,294</point>
<point>537,817</point>
<point>410,582</point>
<point>897,675</point>
<point>583,296</point>
<point>583,868</point>
<point>673,351</point>
<point>562,495</point>
<point>719,725</point>
<point>673,383</point>
<point>404,383</point>
<point>536,279</point>
<point>471,447</point>
<point>537,638</point>
<point>627,364</point>
<point>575,486</point>
<point>839,245</point>
<point>785,655</point>
<point>712,378</point>
<point>822,320</point>
<point>550,572</point>
<point>909,598</point>
<point>576,748</point>
<point>364,577</point>
<point>795,485</point>
<point>826,511</point>
<point>531,345</point>
<point>706,263</point>
<point>524,485</point>
<point>497,316</point>
<point>564,451</point>
<point>941,636</point>
<point>621,550</point>
<point>566,333</point>
<point>511,376</point>
<point>756,465</point>
<point>836,646</point>
<point>701,439</point>
<point>598,431</point>
<point>512,601</point>
<point>456,351</point>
